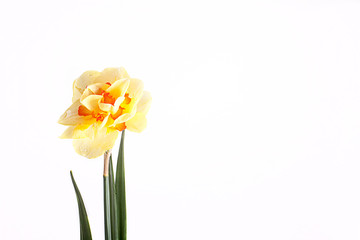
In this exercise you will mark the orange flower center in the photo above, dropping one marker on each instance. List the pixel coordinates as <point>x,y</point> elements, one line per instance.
<point>83,111</point>
<point>120,126</point>
<point>127,99</point>
<point>118,113</point>
<point>99,116</point>
<point>107,98</point>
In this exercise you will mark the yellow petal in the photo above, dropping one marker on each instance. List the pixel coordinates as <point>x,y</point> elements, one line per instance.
<point>137,123</point>
<point>87,92</point>
<point>136,88</point>
<point>76,132</point>
<point>111,75</point>
<point>71,116</point>
<point>106,107</point>
<point>123,73</point>
<point>124,117</point>
<point>96,145</point>
<point>76,93</point>
<point>117,104</point>
<point>92,77</point>
<point>98,88</point>
<point>87,78</point>
<point>92,102</point>
<point>107,121</point>
<point>68,133</point>
<point>118,88</point>
<point>144,103</point>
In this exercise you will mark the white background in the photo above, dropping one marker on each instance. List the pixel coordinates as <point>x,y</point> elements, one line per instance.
<point>253,132</point>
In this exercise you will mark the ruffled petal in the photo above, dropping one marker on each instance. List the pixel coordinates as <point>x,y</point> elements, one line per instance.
<point>87,92</point>
<point>136,88</point>
<point>98,88</point>
<point>144,103</point>
<point>68,133</point>
<point>137,123</point>
<point>80,84</point>
<point>76,93</point>
<point>118,88</point>
<point>117,104</point>
<point>99,141</point>
<point>106,107</point>
<point>107,121</point>
<point>92,102</point>
<point>111,75</point>
<point>71,116</point>
<point>123,73</point>
<point>92,77</point>
<point>76,132</point>
<point>125,116</point>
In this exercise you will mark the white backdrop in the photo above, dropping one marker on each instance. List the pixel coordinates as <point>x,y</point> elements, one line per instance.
<point>253,133</point>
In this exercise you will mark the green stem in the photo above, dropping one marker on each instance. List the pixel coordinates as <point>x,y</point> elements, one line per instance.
<point>107,197</point>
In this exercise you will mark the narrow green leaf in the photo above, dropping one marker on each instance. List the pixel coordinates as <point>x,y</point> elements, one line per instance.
<point>85,231</point>
<point>120,190</point>
<point>111,222</point>
<point>114,219</point>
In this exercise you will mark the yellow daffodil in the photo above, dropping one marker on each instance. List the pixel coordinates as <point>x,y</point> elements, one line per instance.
<point>104,103</point>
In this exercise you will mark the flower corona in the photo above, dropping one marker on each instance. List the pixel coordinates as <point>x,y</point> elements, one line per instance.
<point>104,103</point>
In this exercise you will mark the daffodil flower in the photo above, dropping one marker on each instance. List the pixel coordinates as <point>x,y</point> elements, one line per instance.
<point>104,103</point>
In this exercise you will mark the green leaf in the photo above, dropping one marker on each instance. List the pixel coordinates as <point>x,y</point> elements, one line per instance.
<point>120,190</point>
<point>114,218</point>
<point>111,221</point>
<point>85,231</point>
